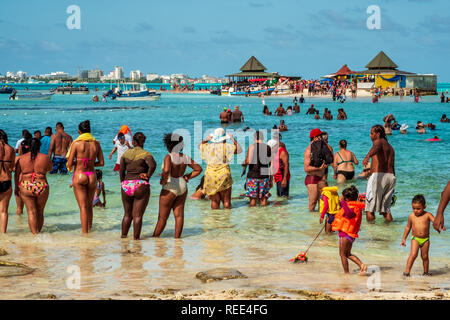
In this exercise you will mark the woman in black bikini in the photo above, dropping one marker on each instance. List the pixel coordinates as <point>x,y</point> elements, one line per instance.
<point>344,162</point>
<point>7,157</point>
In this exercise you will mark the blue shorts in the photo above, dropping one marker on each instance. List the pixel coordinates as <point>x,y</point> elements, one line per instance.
<point>330,218</point>
<point>59,163</point>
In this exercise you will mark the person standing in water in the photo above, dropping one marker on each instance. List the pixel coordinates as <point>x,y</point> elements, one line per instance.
<point>59,145</point>
<point>83,156</point>
<point>419,221</point>
<point>46,140</point>
<point>344,161</point>
<point>259,178</point>
<point>224,117</point>
<point>7,160</point>
<point>348,222</point>
<point>121,145</point>
<point>438,223</point>
<point>380,186</point>
<point>31,183</point>
<point>174,184</point>
<point>313,174</point>
<point>136,168</point>
<point>218,180</point>
<point>237,115</point>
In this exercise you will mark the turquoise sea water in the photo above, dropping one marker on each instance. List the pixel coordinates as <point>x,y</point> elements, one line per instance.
<point>102,86</point>
<point>243,234</point>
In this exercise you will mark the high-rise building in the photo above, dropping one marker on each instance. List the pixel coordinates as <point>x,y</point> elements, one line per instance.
<point>152,76</point>
<point>118,73</point>
<point>95,74</point>
<point>21,74</point>
<point>83,74</point>
<point>136,75</point>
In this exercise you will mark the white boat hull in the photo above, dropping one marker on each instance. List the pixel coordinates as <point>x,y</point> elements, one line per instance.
<point>33,97</point>
<point>147,98</point>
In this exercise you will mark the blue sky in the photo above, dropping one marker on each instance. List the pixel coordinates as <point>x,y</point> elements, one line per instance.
<point>292,37</point>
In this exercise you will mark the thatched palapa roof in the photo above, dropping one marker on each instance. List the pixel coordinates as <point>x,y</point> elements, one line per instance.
<point>252,68</point>
<point>381,61</point>
<point>382,64</point>
<point>253,64</point>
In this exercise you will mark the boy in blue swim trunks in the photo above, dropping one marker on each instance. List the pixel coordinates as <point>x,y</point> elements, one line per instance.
<point>419,221</point>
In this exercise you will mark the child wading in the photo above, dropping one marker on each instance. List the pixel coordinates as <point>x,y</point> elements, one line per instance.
<point>328,204</point>
<point>100,190</point>
<point>348,221</point>
<point>419,221</point>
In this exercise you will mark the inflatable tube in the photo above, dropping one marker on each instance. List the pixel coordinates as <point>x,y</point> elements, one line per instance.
<point>432,139</point>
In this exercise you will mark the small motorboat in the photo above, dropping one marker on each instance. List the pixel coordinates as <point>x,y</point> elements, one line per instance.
<point>71,90</point>
<point>6,90</point>
<point>31,96</point>
<point>133,92</point>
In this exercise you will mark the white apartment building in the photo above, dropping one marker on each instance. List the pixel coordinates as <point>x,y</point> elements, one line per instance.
<point>178,76</point>
<point>136,75</point>
<point>118,73</point>
<point>54,75</point>
<point>151,76</point>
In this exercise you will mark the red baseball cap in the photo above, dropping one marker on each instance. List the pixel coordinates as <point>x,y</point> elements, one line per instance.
<point>314,133</point>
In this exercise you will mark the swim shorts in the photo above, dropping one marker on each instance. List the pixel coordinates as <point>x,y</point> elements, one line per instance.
<point>59,163</point>
<point>309,179</point>
<point>330,218</point>
<point>380,189</point>
<point>282,192</point>
<point>258,188</point>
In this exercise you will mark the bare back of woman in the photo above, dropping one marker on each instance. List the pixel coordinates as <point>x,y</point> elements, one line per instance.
<point>33,188</point>
<point>174,185</point>
<point>344,162</point>
<point>84,156</point>
<point>136,168</point>
<point>7,159</point>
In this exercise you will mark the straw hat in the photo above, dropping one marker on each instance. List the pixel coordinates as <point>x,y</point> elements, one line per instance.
<point>404,127</point>
<point>219,135</point>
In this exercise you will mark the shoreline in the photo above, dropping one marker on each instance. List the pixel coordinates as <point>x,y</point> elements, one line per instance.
<point>360,94</point>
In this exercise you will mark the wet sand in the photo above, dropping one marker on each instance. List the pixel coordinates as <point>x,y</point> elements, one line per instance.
<point>165,268</point>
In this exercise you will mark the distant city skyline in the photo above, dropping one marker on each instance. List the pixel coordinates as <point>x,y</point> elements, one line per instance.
<point>307,39</point>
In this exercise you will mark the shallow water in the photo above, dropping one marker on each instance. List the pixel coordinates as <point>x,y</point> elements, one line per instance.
<point>257,241</point>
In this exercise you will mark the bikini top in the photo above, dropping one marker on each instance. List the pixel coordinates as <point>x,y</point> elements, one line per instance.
<point>3,163</point>
<point>344,161</point>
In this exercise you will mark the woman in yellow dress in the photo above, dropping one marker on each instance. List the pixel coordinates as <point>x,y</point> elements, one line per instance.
<point>218,153</point>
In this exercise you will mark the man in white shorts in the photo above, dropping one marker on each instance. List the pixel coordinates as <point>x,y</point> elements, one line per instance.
<point>380,186</point>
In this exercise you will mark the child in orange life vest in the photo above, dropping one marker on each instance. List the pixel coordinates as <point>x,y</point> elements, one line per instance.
<point>328,204</point>
<point>348,221</point>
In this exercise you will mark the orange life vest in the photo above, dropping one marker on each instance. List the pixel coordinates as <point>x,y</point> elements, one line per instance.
<point>349,226</point>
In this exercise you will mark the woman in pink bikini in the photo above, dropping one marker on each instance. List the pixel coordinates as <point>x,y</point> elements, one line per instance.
<point>31,183</point>
<point>136,168</point>
<point>84,154</point>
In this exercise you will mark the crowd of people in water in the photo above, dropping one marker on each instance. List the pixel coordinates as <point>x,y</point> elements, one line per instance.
<point>266,164</point>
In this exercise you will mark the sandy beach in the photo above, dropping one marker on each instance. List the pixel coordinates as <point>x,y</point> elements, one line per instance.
<point>360,94</point>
